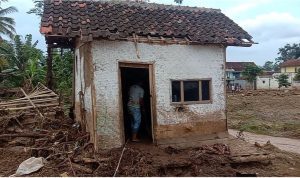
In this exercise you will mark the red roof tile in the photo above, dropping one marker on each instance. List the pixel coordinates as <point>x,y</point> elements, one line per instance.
<point>119,20</point>
<point>238,66</point>
<point>290,63</point>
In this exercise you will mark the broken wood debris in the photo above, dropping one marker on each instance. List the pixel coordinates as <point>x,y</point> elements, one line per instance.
<point>54,138</point>
<point>40,97</point>
<point>252,158</point>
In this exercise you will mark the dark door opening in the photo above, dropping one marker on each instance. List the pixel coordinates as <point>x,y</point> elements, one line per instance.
<point>131,76</point>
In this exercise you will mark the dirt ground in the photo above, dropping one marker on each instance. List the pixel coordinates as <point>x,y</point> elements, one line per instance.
<point>141,159</point>
<point>68,152</point>
<point>274,113</point>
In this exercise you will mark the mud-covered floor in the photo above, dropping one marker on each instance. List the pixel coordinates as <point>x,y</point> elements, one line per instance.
<point>141,159</point>
<point>68,153</point>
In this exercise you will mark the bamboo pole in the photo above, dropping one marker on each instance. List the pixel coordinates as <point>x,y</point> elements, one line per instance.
<point>26,96</point>
<point>25,103</point>
<point>30,107</point>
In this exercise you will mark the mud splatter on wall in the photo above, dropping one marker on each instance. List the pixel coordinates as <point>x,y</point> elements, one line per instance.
<point>171,62</point>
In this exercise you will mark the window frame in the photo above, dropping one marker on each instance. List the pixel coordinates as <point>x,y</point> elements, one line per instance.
<point>182,102</point>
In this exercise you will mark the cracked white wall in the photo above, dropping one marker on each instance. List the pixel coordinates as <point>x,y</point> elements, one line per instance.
<point>82,86</point>
<point>170,62</point>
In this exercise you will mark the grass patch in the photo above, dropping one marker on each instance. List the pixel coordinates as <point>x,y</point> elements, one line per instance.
<point>253,126</point>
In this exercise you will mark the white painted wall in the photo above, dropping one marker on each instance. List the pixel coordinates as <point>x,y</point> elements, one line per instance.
<point>272,83</point>
<point>170,62</point>
<point>269,83</point>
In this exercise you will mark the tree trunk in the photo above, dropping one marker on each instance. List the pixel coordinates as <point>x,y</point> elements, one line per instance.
<point>49,78</point>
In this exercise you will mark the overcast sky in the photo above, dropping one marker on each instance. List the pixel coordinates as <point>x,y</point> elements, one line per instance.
<point>271,23</point>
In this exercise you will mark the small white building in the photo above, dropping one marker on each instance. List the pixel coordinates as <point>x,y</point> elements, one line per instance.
<point>179,53</point>
<point>267,81</point>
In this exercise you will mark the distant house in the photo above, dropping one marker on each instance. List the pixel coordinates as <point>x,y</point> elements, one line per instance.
<point>268,80</point>
<point>178,52</point>
<point>234,74</point>
<point>290,66</point>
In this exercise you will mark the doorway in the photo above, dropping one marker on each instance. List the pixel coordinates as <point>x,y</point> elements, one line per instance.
<point>132,75</point>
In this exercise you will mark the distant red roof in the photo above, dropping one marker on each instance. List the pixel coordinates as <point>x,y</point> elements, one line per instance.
<point>238,66</point>
<point>267,73</point>
<point>290,63</point>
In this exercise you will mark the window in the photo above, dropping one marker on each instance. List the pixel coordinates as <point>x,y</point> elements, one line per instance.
<point>191,91</point>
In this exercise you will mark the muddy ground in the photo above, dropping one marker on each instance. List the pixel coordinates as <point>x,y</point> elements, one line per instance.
<point>274,113</point>
<point>68,153</point>
<point>148,160</point>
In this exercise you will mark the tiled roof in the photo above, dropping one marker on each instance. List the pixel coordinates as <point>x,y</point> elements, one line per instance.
<point>120,20</point>
<point>238,66</point>
<point>267,73</point>
<point>290,63</point>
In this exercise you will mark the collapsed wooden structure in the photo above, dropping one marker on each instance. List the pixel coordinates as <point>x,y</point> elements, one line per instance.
<point>39,97</point>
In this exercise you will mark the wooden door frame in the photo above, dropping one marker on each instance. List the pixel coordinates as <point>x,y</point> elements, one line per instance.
<point>150,67</point>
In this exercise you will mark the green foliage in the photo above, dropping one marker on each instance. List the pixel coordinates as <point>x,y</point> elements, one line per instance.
<point>283,80</point>
<point>297,76</point>
<point>7,24</point>
<point>24,61</point>
<point>288,52</point>
<point>62,70</point>
<point>178,1</point>
<point>24,64</point>
<point>3,63</point>
<point>268,66</point>
<point>38,8</point>
<point>250,72</point>
<point>276,67</point>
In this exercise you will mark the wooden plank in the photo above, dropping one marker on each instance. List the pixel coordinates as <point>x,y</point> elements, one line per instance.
<point>25,99</point>
<point>14,102</point>
<point>152,99</point>
<point>34,101</point>
<point>30,107</point>
<point>200,90</point>
<point>26,96</point>
<point>181,92</point>
<point>40,93</point>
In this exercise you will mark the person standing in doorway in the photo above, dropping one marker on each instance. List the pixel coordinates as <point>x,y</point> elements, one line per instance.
<point>135,104</point>
<point>232,89</point>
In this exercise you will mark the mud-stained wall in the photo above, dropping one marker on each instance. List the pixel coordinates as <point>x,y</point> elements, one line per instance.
<point>84,87</point>
<point>175,62</point>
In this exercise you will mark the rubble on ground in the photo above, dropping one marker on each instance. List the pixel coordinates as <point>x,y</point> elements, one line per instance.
<point>36,122</point>
<point>68,151</point>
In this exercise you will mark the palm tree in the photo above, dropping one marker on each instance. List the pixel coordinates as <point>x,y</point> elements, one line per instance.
<point>178,1</point>
<point>7,24</point>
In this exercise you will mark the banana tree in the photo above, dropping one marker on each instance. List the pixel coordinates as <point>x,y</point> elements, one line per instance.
<point>24,60</point>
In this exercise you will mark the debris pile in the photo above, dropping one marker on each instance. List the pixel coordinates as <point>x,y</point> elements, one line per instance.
<point>169,161</point>
<point>36,122</point>
<point>67,151</point>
